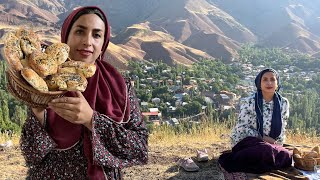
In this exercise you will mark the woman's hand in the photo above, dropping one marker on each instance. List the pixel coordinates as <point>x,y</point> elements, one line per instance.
<point>73,109</point>
<point>269,139</point>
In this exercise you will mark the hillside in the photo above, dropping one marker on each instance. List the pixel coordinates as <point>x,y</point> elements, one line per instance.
<point>180,32</point>
<point>157,45</point>
<point>278,23</point>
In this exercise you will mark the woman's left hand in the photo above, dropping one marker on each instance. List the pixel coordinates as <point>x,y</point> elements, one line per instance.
<point>73,109</point>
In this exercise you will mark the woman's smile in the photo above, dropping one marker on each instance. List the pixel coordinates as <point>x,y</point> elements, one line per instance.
<point>84,53</point>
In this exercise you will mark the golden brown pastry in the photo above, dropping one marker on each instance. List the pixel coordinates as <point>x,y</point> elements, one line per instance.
<point>12,52</point>
<point>43,64</point>
<point>12,59</point>
<point>25,63</point>
<point>312,154</point>
<point>60,52</point>
<point>86,69</point>
<point>34,79</point>
<point>67,82</point>
<point>316,149</point>
<point>13,42</point>
<point>67,70</point>
<point>75,82</point>
<point>296,151</point>
<point>54,82</point>
<point>29,41</point>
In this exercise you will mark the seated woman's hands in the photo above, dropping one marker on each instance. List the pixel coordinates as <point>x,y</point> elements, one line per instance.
<point>73,109</point>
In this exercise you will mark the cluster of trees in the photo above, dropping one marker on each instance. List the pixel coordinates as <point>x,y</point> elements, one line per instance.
<point>12,112</point>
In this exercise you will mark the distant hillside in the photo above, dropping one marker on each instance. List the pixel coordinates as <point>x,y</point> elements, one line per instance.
<point>180,32</point>
<point>292,24</point>
<point>157,45</point>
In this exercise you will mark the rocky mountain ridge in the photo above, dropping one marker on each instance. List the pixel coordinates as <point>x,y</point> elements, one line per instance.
<point>180,32</point>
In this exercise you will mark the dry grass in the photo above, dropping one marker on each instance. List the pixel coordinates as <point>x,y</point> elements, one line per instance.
<point>204,134</point>
<point>166,146</point>
<point>5,137</point>
<point>12,164</point>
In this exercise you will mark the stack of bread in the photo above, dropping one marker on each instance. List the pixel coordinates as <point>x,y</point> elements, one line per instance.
<point>306,160</point>
<point>36,76</point>
<point>50,70</point>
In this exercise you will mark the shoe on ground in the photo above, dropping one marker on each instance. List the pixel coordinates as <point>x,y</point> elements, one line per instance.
<point>202,155</point>
<point>188,165</point>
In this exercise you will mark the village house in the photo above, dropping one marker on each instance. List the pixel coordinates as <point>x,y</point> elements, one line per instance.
<point>154,116</point>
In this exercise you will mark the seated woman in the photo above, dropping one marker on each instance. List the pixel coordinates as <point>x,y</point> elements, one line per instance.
<point>259,133</point>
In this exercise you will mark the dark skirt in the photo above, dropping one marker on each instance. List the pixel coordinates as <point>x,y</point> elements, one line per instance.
<point>253,155</point>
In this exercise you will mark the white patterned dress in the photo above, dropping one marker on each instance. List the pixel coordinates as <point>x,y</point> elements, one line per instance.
<point>247,120</point>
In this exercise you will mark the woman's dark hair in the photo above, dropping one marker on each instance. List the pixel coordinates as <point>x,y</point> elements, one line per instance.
<point>88,11</point>
<point>83,12</point>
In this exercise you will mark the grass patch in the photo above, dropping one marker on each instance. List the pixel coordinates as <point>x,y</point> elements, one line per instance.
<point>6,137</point>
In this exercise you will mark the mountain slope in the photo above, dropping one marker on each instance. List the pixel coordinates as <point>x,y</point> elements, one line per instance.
<point>180,32</point>
<point>278,23</point>
<point>186,20</point>
<point>157,45</point>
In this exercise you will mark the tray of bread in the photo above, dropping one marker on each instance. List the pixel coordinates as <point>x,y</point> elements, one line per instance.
<point>306,159</point>
<point>35,75</point>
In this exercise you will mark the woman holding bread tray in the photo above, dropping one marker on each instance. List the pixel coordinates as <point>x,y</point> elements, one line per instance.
<point>93,134</point>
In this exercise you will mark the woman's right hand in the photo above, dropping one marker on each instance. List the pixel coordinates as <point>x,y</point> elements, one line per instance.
<point>39,113</point>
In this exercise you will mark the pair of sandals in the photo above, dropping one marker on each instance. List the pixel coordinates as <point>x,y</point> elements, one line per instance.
<point>189,165</point>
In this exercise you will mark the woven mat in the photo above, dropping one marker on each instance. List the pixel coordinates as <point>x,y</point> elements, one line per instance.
<point>287,173</point>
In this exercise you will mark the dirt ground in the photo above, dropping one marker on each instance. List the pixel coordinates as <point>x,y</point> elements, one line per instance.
<point>162,164</point>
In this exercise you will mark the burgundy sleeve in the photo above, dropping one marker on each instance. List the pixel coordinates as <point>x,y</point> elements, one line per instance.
<point>118,145</point>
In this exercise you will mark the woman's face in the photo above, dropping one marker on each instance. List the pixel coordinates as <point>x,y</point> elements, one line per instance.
<point>86,38</point>
<point>269,82</point>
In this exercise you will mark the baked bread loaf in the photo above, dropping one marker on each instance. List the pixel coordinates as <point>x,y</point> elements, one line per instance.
<point>29,41</point>
<point>58,50</point>
<point>45,69</point>
<point>86,69</point>
<point>25,63</point>
<point>316,149</point>
<point>12,51</point>
<point>67,81</point>
<point>306,160</point>
<point>311,154</point>
<point>34,79</point>
<point>67,70</point>
<point>296,151</point>
<point>42,63</point>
